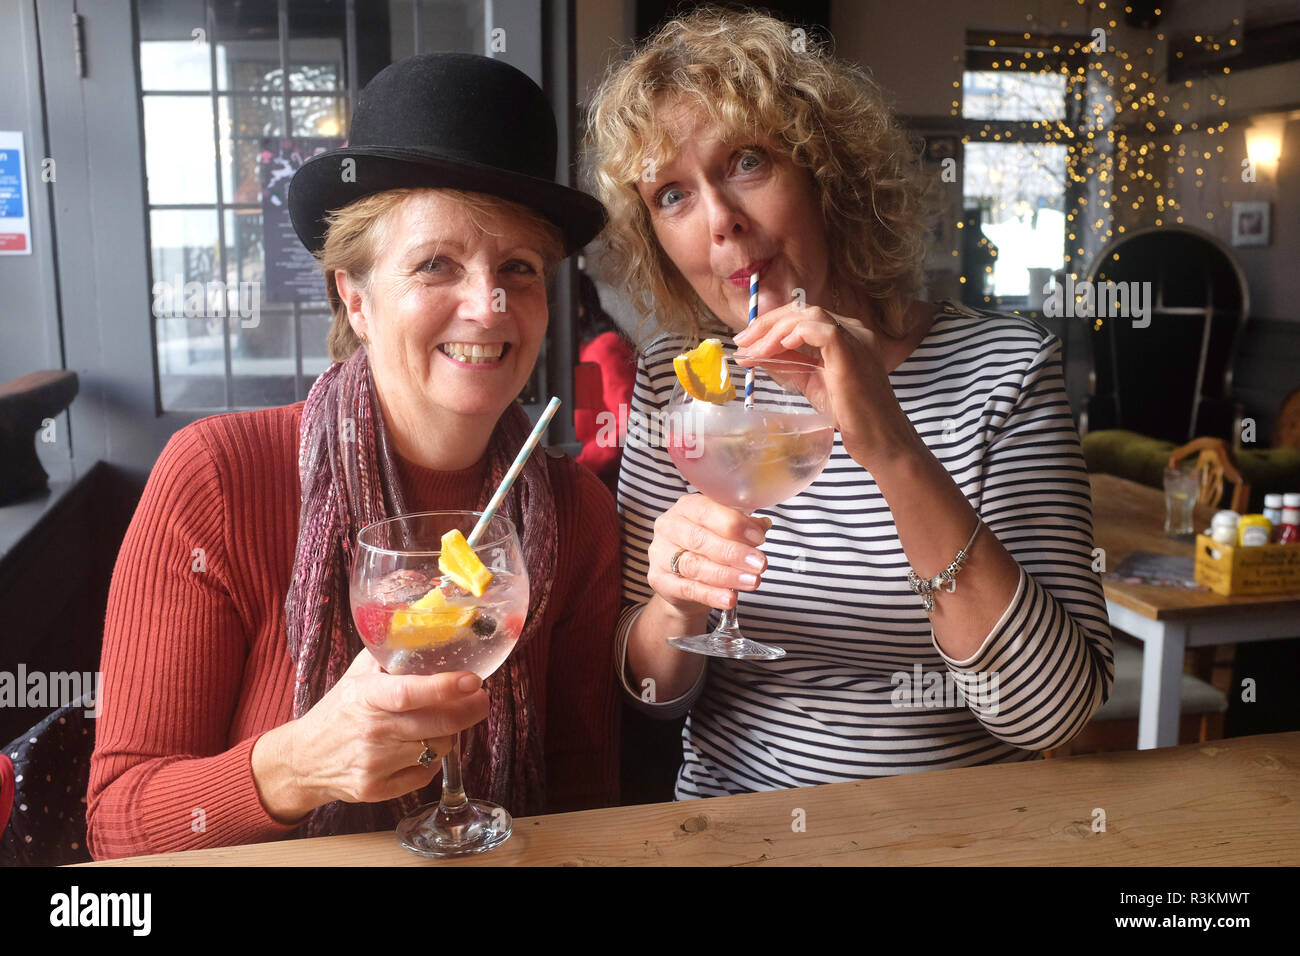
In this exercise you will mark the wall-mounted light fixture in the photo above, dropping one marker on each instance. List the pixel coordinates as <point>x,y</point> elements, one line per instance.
<point>1264,142</point>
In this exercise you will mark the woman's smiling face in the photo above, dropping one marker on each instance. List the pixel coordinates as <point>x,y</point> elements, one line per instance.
<point>455,314</point>
<point>723,208</point>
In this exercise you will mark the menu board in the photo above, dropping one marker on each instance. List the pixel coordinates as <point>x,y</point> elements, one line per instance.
<point>292,273</point>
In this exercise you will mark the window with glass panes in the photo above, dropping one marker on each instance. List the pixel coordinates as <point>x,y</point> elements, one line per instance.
<point>1032,154</point>
<point>235,93</point>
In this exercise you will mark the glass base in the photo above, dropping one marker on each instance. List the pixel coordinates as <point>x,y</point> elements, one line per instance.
<point>730,644</point>
<point>475,827</point>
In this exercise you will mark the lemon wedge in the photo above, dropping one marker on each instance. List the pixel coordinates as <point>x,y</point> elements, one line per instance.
<point>703,373</point>
<point>459,562</point>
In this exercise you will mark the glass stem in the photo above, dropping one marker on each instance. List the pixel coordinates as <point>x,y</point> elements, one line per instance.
<point>453,791</point>
<point>728,628</point>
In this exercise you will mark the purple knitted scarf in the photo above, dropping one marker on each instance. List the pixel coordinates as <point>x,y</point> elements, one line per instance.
<point>345,464</point>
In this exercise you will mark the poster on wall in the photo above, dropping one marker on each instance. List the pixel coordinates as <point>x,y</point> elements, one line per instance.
<point>15,225</point>
<point>292,273</point>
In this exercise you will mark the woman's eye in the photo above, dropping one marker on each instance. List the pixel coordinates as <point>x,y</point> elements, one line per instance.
<point>434,266</point>
<point>519,267</point>
<point>666,198</point>
<point>750,162</point>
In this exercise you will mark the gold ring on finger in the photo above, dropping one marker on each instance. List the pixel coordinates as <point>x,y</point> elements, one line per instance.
<point>427,757</point>
<point>673,564</point>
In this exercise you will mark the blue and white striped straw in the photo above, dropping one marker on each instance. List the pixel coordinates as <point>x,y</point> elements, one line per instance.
<point>490,511</point>
<point>753,314</point>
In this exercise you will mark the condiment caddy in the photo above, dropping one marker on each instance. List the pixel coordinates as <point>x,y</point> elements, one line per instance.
<point>1252,554</point>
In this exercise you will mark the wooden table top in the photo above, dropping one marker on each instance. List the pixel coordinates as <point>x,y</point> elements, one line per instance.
<point>1128,517</point>
<point>1225,803</point>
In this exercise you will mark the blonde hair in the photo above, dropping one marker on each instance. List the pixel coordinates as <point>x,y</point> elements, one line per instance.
<point>359,230</point>
<point>749,75</point>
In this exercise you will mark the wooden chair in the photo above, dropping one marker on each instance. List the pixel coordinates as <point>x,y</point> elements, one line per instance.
<point>1214,464</point>
<point>1286,430</point>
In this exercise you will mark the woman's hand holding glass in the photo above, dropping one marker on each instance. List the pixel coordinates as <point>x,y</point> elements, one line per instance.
<point>717,554</point>
<point>361,741</point>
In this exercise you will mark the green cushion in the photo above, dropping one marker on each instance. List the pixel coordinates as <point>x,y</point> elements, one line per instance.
<point>1269,470</point>
<point>1114,451</point>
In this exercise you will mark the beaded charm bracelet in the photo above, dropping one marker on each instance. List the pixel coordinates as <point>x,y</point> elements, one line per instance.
<point>948,576</point>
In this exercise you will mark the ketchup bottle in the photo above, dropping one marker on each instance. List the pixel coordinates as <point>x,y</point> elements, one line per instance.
<point>1290,526</point>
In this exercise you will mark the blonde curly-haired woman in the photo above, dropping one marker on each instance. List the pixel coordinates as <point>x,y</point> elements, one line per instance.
<point>720,148</point>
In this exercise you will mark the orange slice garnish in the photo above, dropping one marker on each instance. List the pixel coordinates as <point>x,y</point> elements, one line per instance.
<point>459,562</point>
<point>430,620</point>
<point>704,374</point>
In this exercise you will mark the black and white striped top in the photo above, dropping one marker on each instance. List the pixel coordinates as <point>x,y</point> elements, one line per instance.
<point>864,691</point>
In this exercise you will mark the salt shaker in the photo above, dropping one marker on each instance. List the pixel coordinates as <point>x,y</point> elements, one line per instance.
<point>1223,527</point>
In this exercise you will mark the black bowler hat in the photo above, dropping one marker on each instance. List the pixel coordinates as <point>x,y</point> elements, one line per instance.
<point>446,120</point>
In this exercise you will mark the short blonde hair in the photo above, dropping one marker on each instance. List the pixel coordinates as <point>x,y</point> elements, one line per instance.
<point>744,71</point>
<point>358,230</point>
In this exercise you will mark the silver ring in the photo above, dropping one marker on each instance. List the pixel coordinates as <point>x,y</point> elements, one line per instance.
<point>673,564</point>
<point>428,757</point>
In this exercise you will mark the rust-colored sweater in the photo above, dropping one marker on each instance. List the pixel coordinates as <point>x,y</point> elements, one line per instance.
<point>196,663</point>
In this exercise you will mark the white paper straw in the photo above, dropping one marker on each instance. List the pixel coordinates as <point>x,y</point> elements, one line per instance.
<point>490,511</point>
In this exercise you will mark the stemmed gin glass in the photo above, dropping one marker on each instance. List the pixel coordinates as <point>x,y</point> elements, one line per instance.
<point>751,454</point>
<point>415,623</point>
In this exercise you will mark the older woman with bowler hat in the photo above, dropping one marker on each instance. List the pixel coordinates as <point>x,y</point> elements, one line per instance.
<point>238,704</point>
<point>933,588</point>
